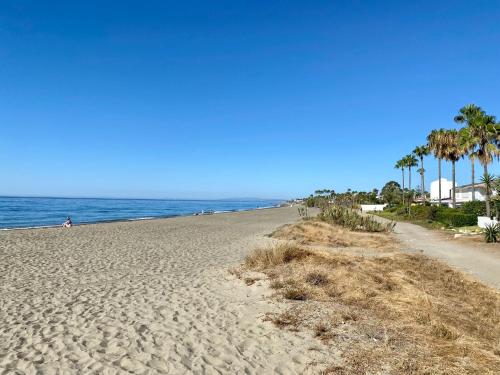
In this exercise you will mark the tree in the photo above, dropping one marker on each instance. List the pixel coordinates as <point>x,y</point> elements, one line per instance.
<point>470,145</point>
<point>436,141</point>
<point>482,131</point>
<point>401,165</point>
<point>489,182</point>
<point>453,151</point>
<point>420,152</point>
<point>391,192</point>
<point>409,162</point>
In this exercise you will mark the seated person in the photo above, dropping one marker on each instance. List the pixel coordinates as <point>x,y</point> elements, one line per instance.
<point>68,223</point>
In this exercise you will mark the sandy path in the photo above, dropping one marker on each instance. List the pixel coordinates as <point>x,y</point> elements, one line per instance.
<point>483,264</point>
<point>142,297</point>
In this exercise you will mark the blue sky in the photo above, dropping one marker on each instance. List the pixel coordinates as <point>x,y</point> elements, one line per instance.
<point>199,99</point>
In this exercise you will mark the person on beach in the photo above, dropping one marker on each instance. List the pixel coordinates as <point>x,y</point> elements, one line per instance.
<point>68,223</point>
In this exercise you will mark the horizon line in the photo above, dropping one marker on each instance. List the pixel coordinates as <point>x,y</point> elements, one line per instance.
<point>133,198</point>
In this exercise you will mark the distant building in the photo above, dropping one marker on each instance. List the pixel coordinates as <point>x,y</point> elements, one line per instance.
<point>446,188</point>
<point>462,194</point>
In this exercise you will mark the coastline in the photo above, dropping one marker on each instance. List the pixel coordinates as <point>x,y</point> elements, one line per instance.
<point>151,296</point>
<point>133,219</point>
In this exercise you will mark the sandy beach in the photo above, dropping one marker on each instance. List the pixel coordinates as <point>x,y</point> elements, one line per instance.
<point>143,297</point>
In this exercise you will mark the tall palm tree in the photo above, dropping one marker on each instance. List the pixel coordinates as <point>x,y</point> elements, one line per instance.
<point>483,131</point>
<point>421,151</point>
<point>472,157</point>
<point>454,150</point>
<point>410,161</point>
<point>436,141</point>
<point>400,165</point>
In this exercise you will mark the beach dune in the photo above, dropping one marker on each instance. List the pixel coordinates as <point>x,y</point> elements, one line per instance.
<point>143,297</point>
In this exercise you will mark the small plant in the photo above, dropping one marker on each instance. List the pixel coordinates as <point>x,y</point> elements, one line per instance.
<point>317,278</point>
<point>491,233</point>
<point>296,294</point>
<point>303,212</point>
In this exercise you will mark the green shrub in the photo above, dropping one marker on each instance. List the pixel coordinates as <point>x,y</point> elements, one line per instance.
<point>491,233</point>
<point>455,218</point>
<point>353,220</point>
<point>477,208</point>
<point>427,212</point>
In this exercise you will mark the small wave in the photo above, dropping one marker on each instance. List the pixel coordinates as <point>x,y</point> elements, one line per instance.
<point>34,227</point>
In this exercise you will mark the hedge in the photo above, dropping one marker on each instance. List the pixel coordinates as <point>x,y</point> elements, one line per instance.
<point>477,208</point>
<point>456,219</point>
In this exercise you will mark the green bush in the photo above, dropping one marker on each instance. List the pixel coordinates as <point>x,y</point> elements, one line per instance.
<point>491,233</point>
<point>448,216</point>
<point>316,201</point>
<point>353,220</point>
<point>455,218</point>
<point>477,208</point>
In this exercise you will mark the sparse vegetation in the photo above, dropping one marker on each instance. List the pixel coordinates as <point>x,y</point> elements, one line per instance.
<point>393,313</point>
<point>353,220</point>
<point>316,232</point>
<point>303,212</point>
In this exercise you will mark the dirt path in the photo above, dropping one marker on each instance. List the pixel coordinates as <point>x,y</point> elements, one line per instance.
<point>483,264</point>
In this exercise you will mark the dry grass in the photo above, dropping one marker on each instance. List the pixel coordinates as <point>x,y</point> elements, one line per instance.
<point>315,232</point>
<point>401,314</point>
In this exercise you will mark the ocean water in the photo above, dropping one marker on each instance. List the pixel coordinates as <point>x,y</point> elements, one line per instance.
<point>17,212</point>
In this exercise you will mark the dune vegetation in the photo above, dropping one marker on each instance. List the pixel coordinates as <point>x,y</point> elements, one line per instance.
<point>386,312</point>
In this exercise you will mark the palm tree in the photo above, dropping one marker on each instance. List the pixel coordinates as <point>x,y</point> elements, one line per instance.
<point>400,165</point>
<point>454,150</point>
<point>409,162</point>
<point>489,182</point>
<point>483,131</point>
<point>436,140</point>
<point>421,151</point>
<point>470,144</point>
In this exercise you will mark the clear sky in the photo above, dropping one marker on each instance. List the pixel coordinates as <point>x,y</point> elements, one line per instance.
<point>208,99</point>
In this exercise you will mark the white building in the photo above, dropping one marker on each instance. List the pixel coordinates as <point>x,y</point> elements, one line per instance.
<point>446,188</point>
<point>462,194</point>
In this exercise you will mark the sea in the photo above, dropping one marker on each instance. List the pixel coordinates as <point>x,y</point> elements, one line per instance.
<point>21,212</point>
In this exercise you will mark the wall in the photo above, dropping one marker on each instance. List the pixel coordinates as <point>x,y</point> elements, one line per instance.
<point>372,207</point>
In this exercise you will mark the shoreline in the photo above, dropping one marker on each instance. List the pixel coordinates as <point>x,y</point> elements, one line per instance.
<point>140,219</point>
<point>143,297</point>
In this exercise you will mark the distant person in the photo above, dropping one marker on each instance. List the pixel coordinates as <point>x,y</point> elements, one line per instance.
<point>68,223</point>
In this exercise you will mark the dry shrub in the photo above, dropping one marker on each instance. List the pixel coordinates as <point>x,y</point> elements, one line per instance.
<point>296,294</point>
<point>394,314</point>
<point>316,278</point>
<point>290,319</point>
<point>315,232</point>
<point>278,255</point>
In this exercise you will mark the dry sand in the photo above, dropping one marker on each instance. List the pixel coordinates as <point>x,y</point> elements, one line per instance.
<point>144,297</point>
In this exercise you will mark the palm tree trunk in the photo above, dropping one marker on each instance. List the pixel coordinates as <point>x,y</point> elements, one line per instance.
<point>488,211</point>
<point>409,189</point>
<point>409,178</point>
<point>453,182</point>
<point>473,183</point>
<point>403,173</point>
<point>439,176</point>
<point>422,181</point>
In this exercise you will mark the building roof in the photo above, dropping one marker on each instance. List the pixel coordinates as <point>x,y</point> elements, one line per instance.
<point>470,185</point>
